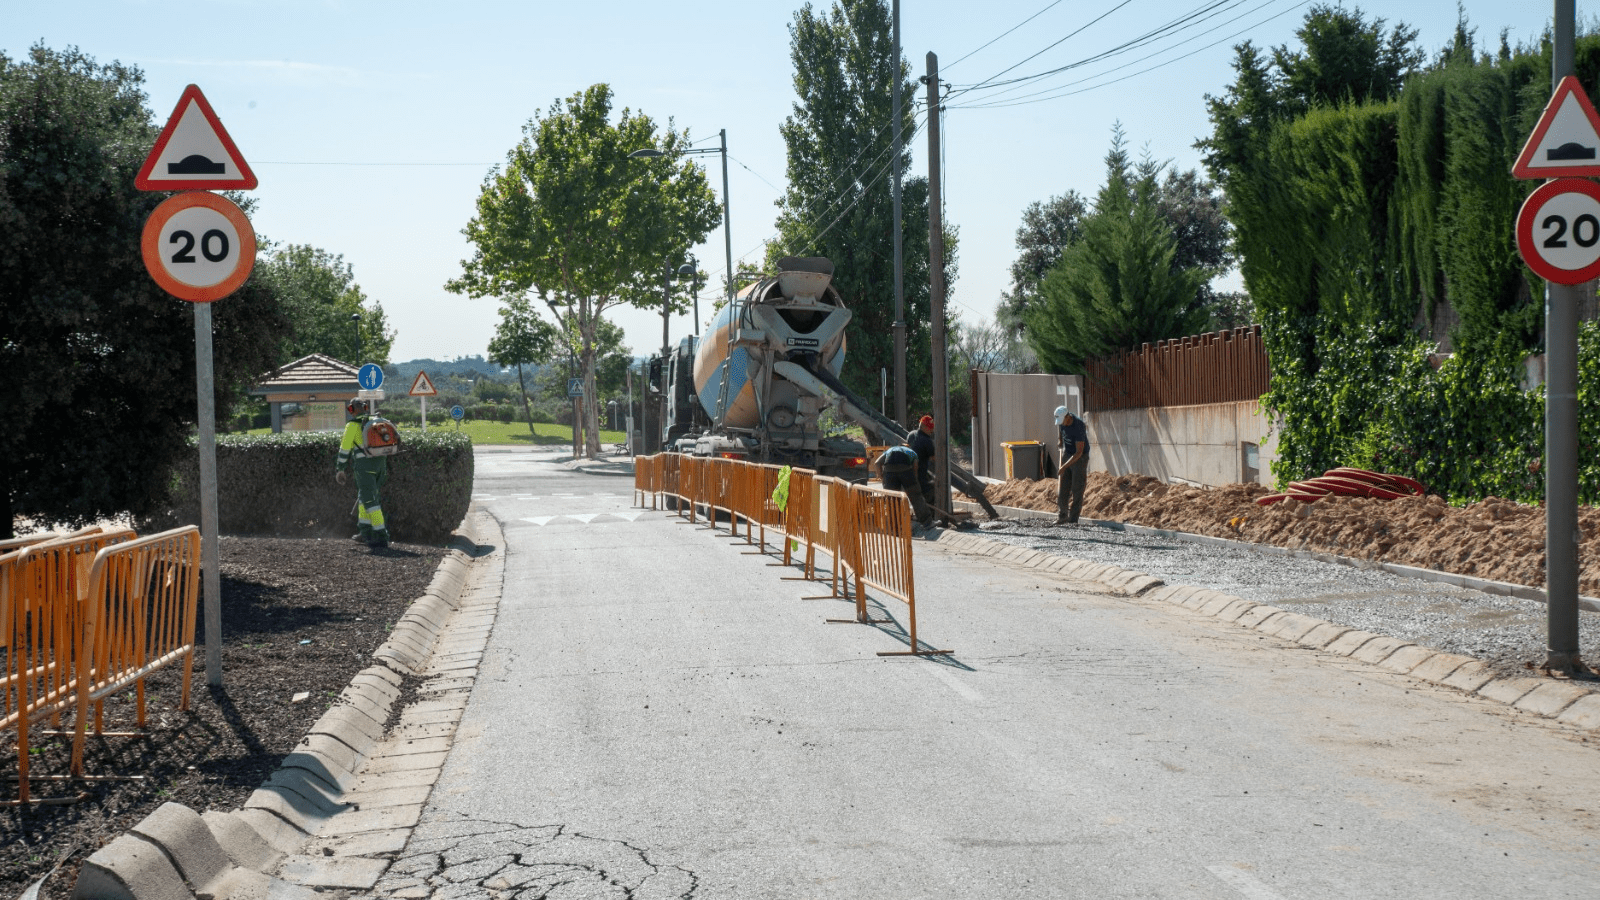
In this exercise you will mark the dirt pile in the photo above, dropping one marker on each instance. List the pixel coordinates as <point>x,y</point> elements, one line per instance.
<point>1494,539</point>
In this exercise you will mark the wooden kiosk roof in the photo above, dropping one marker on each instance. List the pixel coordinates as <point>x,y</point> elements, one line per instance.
<point>307,380</point>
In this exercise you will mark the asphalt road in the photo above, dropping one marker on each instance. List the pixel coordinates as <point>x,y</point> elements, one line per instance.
<point>661,714</point>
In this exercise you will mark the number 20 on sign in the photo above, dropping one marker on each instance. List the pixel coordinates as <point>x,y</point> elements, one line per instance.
<point>1558,231</point>
<point>199,246</point>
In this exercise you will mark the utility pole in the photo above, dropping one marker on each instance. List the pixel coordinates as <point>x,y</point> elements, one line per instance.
<point>1561,422</point>
<point>941,399</point>
<point>896,86</point>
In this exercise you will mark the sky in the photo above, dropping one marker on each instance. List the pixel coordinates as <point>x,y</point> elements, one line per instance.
<point>371,125</point>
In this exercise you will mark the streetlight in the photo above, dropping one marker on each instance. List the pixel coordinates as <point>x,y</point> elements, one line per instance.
<point>727,233</point>
<point>355,319</point>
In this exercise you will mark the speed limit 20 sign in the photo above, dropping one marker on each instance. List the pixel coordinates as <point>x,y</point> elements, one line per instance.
<point>1558,231</point>
<point>199,246</point>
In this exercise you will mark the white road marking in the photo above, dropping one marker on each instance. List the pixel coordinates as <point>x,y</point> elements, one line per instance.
<point>583,518</point>
<point>955,684</point>
<point>1243,883</point>
<point>630,516</point>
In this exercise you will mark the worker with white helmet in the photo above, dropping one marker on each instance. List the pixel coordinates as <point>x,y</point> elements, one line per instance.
<point>1074,472</point>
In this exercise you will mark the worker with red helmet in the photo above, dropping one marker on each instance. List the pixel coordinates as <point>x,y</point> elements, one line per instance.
<point>371,473</point>
<point>921,440</point>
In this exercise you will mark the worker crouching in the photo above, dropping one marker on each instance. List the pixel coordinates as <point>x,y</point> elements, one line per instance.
<point>897,467</point>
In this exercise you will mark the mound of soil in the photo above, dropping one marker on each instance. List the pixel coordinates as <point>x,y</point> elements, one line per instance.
<point>298,616</point>
<point>1494,539</point>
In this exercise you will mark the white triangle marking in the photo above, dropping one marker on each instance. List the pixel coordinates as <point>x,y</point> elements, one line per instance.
<point>585,518</point>
<point>540,520</point>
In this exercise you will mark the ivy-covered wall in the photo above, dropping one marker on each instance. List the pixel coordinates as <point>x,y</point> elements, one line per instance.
<point>1356,223</point>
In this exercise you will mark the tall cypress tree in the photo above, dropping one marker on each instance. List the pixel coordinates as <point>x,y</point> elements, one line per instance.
<point>839,203</point>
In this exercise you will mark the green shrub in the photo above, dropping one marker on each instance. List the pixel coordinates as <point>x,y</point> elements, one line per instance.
<point>283,484</point>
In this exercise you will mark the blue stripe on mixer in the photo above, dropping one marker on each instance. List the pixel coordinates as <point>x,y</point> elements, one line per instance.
<point>740,361</point>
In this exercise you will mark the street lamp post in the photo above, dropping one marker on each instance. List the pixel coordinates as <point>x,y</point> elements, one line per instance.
<point>355,319</point>
<point>727,231</point>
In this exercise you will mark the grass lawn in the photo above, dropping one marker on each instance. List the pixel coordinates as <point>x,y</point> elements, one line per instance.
<point>508,433</point>
<point>514,433</point>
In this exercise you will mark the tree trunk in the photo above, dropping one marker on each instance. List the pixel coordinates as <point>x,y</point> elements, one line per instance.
<point>591,418</point>
<point>523,386</point>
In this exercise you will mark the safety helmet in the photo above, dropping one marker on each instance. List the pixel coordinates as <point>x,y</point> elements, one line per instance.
<point>1061,414</point>
<point>356,407</point>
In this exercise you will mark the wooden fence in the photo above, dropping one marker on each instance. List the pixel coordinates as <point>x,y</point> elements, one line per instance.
<point>1217,367</point>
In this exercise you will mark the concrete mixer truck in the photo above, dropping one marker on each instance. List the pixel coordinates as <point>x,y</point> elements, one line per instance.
<point>756,385</point>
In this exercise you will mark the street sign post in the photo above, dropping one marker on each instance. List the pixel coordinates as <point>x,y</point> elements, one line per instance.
<point>194,152</point>
<point>1558,231</point>
<point>574,387</point>
<point>370,377</point>
<point>198,246</point>
<point>458,414</point>
<point>1566,141</point>
<point>422,389</point>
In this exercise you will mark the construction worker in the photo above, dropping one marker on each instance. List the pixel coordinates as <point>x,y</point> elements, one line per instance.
<point>921,440</point>
<point>1073,442</point>
<point>897,467</point>
<point>371,473</point>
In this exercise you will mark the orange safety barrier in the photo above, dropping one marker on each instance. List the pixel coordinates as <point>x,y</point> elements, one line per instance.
<point>865,531</point>
<point>140,616</point>
<point>43,593</point>
<point>883,539</point>
<point>646,479</point>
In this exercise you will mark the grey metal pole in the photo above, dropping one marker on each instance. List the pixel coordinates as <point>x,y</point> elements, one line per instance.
<point>727,228</point>
<point>666,307</point>
<point>896,86</point>
<point>941,422</point>
<point>1561,422</point>
<point>210,558</point>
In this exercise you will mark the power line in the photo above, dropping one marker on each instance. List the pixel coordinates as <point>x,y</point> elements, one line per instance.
<point>1006,32</point>
<point>1059,91</point>
<point>1051,47</point>
<point>991,100</point>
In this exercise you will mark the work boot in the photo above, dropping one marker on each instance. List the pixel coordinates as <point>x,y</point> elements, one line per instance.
<point>363,534</point>
<point>379,539</point>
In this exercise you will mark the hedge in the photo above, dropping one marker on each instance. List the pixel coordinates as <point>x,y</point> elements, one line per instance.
<point>283,484</point>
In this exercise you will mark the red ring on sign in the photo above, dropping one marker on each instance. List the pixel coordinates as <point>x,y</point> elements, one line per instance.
<point>150,246</point>
<point>1525,222</point>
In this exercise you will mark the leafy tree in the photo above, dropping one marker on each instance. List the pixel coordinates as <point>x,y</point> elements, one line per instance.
<point>522,338</point>
<point>1048,228</point>
<point>1118,286</point>
<point>571,218</point>
<point>839,204</point>
<point>318,292</point>
<point>101,396</point>
<point>1189,204</point>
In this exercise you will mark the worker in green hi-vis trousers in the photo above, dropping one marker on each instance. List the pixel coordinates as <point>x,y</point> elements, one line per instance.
<point>371,473</point>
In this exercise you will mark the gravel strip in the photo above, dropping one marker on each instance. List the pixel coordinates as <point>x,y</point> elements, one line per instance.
<point>1507,633</point>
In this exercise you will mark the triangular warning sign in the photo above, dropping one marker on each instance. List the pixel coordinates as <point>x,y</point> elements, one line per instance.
<point>1566,142</point>
<point>422,387</point>
<point>194,152</point>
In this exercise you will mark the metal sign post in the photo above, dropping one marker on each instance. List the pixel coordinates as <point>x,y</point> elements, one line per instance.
<point>1558,235</point>
<point>199,247</point>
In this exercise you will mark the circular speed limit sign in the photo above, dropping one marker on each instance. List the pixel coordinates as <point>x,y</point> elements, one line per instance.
<point>199,246</point>
<point>1558,231</point>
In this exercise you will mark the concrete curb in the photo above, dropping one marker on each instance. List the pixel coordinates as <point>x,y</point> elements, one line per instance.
<point>1568,702</point>
<point>176,853</point>
<point>1501,588</point>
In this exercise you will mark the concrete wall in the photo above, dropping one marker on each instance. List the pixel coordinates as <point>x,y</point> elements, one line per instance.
<point>1019,408</point>
<point>1209,444</point>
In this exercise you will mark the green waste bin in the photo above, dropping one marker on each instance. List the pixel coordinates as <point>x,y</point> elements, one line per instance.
<point>1024,459</point>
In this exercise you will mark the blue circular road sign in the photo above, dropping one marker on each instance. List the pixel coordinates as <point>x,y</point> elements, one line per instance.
<point>370,376</point>
<point>457,413</point>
